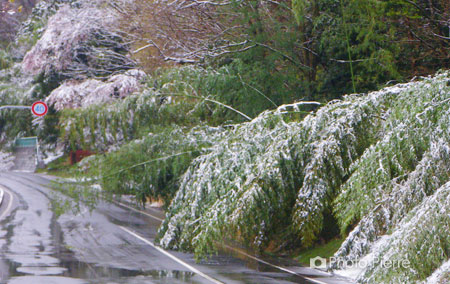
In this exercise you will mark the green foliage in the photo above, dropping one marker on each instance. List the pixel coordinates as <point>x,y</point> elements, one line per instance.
<point>417,121</point>
<point>300,8</point>
<point>326,250</point>
<point>5,60</point>
<point>368,159</point>
<point>185,96</point>
<point>350,36</point>
<point>79,197</point>
<point>270,175</point>
<point>146,168</point>
<point>423,26</point>
<point>19,89</point>
<point>273,176</point>
<point>14,90</point>
<point>236,84</point>
<point>151,166</point>
<point>370,42</point>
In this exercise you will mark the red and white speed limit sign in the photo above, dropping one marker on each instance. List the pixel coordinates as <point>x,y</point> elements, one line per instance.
<point>39,108</point>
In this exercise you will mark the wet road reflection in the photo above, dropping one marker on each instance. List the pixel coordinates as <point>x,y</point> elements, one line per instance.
<point>37,247</point>
<point>33,248</point>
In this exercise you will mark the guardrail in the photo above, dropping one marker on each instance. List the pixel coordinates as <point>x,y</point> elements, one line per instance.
<point>14,107</point>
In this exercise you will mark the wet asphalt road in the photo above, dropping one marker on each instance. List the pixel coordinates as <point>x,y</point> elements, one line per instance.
<point>111,244</point>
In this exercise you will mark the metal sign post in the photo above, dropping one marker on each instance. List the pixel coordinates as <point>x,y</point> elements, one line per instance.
<point>14,107</point>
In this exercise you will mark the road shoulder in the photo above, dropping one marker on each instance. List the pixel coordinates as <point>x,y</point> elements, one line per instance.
<point>2,192</point>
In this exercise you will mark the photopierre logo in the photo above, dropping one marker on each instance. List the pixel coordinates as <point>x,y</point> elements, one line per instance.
<point>318,262</point>
<point>322,263</point>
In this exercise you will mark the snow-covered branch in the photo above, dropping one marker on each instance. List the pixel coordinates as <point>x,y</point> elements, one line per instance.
<point>80,43</point>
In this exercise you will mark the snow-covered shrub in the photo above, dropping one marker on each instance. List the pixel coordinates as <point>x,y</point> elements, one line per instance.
<point>431,172</point>
<point>174,96</point>
<point>74,94</point>
<point>78,43</point>
<point>440,275</point>
<point>226,188</point>
<point>31,30</point>
<point>152,165</point>
<point>6,161</point>
<point>270,175</point>
<point>336,136</point>
<point>421,242</point>
<point>394,175</point>
<point>103,126</point>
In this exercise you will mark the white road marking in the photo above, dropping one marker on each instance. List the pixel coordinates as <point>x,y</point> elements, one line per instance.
<point>9,203</point>
<point>273,265</point>
<point>139,211</point>
<point>234,249</point>
<point>193,269</point>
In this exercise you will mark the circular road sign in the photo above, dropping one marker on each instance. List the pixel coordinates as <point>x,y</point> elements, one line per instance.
<point>39,108</point>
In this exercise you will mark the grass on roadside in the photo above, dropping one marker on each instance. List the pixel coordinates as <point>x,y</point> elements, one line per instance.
<point>326,250</point>
<point>59,167</point>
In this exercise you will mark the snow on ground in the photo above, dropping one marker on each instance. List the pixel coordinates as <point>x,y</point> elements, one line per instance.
<point>6,161</point>
<point>357,268</point>
<point>52,156</point>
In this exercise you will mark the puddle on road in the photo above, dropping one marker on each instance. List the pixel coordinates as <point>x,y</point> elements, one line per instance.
<point>25,260</point>
<point>79,272</point>
<point>41,270</point>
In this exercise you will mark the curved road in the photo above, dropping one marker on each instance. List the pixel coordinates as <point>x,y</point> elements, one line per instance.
<point>111,244</point>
